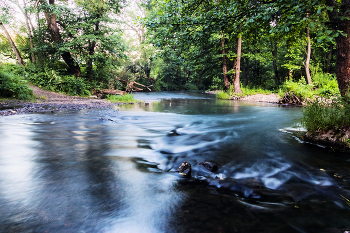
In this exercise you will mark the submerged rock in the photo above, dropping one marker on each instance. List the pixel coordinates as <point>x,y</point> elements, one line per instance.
<point>209,166</point>
<point>185,169</point>
<point>173,133</point>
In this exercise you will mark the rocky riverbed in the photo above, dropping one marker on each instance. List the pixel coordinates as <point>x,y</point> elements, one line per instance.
<point>51,101</point>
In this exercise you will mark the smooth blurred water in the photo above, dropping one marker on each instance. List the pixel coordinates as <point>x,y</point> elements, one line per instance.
<point>113,170</point>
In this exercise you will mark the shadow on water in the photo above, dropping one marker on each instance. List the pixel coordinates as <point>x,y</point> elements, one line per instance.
<point>114,170</point>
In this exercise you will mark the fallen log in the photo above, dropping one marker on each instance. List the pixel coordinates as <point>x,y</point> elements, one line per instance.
<point>134,86</point>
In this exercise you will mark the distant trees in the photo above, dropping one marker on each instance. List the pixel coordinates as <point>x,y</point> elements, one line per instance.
<point>294,27</point>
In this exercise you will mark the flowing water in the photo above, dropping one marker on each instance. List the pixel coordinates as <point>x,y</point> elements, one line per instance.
<point>113,170</point>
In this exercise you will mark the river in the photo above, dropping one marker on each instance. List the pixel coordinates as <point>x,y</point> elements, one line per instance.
<point>112,170</point>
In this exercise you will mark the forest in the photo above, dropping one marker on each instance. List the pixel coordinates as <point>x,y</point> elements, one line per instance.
<point>299,50</point>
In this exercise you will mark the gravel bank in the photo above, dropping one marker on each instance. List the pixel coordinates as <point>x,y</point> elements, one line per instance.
<point>51,101</point>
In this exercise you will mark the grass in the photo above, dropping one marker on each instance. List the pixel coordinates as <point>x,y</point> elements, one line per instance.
<point>128,98</point>
<point>222,95</point>
<point>245,91</point>
<point>320,116</point>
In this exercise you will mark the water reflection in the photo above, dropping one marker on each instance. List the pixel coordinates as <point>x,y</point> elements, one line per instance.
<point>112,171</point>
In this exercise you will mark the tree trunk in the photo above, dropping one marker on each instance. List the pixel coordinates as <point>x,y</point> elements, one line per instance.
<point>92,45</point>
<point>308,56</point>
<point>274,53</point>
<point>29,29</point>
<point>30,32</point>
<point>89,61</point>
<point>14,48</point>
<point>247,73</point>
<point>330,54</point>
<point>342,65</point>
<point>224,65</point>
<point>237,66</point>
<point>244,71</point>
<point>56,37</point>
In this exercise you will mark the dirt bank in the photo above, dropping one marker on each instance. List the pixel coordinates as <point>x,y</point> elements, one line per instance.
<point>338,140</point>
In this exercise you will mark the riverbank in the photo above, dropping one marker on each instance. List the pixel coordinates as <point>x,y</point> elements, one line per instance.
<point>50,101</point>
<point>267,98</point>
<point>335,140</point>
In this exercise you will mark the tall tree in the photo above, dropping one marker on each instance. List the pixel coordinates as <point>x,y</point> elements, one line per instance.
<point>29,27</point>
<point>237,66</point>
<point>339,15</point>
<point>51,20</point>
<point>308,56</point>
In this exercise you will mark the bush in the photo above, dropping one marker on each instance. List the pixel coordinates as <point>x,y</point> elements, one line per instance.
<point>13,86</point>
<point>323,116</point>
<point>302,90</point>
<point>52,81</point>
<point>324,85</point>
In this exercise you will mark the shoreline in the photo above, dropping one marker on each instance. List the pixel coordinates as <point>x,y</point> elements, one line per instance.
<point>336,141</point>
<point>50,101</point>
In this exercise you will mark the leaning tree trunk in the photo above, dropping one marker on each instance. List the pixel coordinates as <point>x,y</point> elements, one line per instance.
<point>14,48</point>
<point>237,66</point>
<point>342,65</point>
<point>308,56</point>
<point>56,37</point>
<point>224,65</point>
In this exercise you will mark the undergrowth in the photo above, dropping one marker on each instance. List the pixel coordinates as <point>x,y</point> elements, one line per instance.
<point>14,86</point>
<point>321,116</point>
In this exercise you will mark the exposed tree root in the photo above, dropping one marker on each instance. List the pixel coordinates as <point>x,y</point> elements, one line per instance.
<point>290,98</point>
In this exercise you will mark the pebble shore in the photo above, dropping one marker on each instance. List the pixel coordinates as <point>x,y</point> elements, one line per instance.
<point>51,101</point>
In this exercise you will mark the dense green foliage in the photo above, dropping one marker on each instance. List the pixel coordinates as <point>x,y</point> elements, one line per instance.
<point>321,116</point>
<point>190,36</point>
<point>324,85</point>
<point>14,86</point>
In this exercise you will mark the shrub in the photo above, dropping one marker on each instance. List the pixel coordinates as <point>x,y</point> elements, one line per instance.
<point>323,116</point>
<point>52,81</point>
<point>222,95</point>
<point>190,86</point>
<point>302,90</point>
<point>13,86</point>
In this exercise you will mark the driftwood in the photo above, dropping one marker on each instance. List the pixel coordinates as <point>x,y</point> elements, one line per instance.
<point>134,86</point>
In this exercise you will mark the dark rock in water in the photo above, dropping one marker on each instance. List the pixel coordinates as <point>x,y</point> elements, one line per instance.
<point>173,133</point>
<point>209,166</point>
<point>185,169</point>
